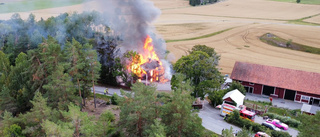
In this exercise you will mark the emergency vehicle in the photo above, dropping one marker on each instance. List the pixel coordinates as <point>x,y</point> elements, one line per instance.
<point>226,109</point>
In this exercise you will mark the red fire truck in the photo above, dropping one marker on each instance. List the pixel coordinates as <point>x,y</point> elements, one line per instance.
<point>226,109</point>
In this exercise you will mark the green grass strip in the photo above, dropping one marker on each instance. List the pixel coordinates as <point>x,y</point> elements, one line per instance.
<point>200,37</point>
<point>275,40</point>
<point>301,22</point>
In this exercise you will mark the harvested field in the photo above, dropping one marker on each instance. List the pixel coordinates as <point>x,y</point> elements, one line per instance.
<point>256,9</point>
<point>315,19</point>
<point>301,2</point>
<point>249,19</point>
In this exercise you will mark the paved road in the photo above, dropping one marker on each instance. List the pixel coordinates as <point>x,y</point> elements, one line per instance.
<point>282,103</point>
<point>291,131</point>
<point>211,120</point>
<point>100,90</point>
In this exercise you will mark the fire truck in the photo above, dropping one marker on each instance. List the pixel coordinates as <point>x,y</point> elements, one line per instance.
<point>226,109</point>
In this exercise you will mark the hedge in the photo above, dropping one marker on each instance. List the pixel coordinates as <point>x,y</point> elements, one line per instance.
<point>236,120</point>
<point>287,120</point>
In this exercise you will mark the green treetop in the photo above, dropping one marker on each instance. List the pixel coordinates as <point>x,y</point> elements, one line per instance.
<point>177,114</point>
<point>139,108</point>
<point>201,69</point>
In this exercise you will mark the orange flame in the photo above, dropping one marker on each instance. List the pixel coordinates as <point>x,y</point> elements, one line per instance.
<point>148,55</point>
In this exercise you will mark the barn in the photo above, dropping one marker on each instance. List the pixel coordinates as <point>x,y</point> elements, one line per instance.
<point>295,85</point>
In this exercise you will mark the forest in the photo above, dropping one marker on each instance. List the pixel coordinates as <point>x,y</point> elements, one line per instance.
<point>47,69</point>
<point>35,54</point>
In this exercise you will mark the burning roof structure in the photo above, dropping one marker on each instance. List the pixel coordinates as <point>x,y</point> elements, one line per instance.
<point>132,21</point>
<point>148,65</point>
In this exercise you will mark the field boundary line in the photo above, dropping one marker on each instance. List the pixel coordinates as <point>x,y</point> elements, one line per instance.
<point>200,37</point>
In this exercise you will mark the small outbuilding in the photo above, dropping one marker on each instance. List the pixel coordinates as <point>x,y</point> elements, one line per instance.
<point>234,96</point>
<point>309,109</point>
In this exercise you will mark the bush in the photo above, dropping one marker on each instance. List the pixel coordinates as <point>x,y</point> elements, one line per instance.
<point>114,99</point>
<point>107,102</point>
<point>279,134</point>
<point>279,111</point>
<point>13,131</point>
<point>287,120</point>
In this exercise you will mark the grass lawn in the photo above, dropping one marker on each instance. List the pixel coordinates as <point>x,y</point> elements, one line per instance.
<point>316,2</point>
<point>256,104</point>
<point>7,6</point>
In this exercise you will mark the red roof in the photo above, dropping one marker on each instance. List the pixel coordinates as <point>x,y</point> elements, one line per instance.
<point>298,80</point>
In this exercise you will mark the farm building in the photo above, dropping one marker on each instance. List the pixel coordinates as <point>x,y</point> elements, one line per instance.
<point>296,85</point>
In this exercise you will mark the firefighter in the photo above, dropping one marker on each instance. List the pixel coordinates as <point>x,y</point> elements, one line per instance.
<point>106,91</point>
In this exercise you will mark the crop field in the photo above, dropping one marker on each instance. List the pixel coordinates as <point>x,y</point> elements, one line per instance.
<point>244,24</point>
<point>233,28</point>
<point>7,6</point>
<point>301,1</point>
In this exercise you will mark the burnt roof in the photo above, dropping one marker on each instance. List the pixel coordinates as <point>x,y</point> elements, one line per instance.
<point>277,77</point>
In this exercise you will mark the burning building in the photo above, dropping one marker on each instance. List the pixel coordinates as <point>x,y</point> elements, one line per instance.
<point>147,65</point>
<point>132,21</point>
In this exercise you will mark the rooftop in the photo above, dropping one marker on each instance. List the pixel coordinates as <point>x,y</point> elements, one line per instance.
<point>277,77</point>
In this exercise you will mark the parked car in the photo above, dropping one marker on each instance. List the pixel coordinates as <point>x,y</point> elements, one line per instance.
<point>278,124</point>
<point>271,126</point>
<point>261,134</point>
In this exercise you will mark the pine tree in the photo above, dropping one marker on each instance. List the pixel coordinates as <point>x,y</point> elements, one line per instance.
<point>7,102</point>
<point>79,121</point>
<point>177,114</point>
<point>157,129</point>
<point>44,61</point>
<point>4,69</point>
<point>75,123</point>
<point>138,109</point>
<point>20,88</point>
<point>7,122</point>
<point>57,130</point>
<point>94,67</point>
<point>72,51</point>
<point>60,89</point>
<point>105,125</point>
<point>37,115</point>
<point>76,53</point>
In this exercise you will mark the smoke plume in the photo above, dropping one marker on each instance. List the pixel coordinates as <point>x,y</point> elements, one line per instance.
<point>132,20</point>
